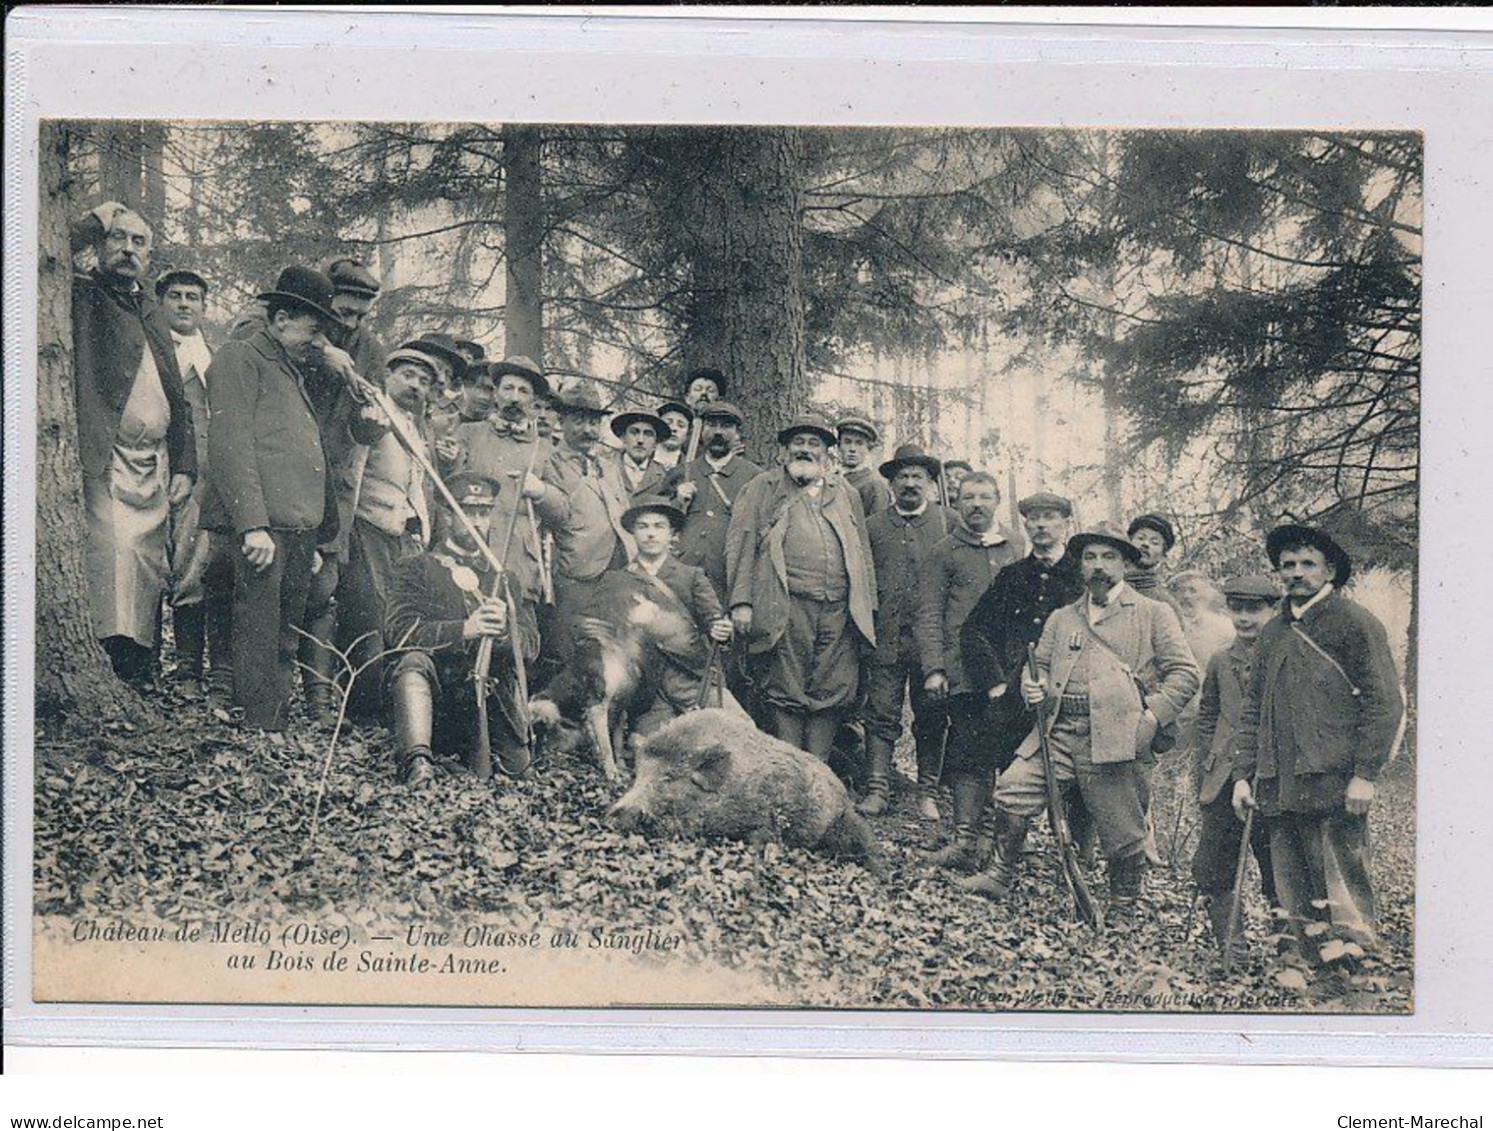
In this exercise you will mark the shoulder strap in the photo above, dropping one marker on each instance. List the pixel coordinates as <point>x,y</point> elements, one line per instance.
<point>1319,650</point>
<point>1140,685</point>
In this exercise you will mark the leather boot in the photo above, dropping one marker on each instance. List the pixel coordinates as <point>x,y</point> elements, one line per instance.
<point>189,625</point>
<point>963,855</point>
<point>1125,875</point>
<point>219,617</point>
<point>414,718</point>
<point>319,677</point>
<point>930,767</point>
<point>1004,869</point>
<point>879,787</point>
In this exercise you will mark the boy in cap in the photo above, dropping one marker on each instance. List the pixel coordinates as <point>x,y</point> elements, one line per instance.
<point>1322,717</point>
<point>442,604</point>
<point>1252,601</point>
<point>857,438</point>
<point>679,418</point>
<point>1154,536</point>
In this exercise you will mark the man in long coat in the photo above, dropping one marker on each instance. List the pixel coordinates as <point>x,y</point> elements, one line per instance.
<point>902,537</point>
<point>1323,716</point>
<point>1099,719</point>
<point>802,588</point>
<point>135,436</point>
<point>269,488</point>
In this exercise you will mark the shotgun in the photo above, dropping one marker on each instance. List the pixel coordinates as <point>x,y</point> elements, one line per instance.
<point>1078,888</point>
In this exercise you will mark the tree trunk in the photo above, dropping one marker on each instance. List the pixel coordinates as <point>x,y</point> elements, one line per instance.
<point>740,220</point>
<point>121,147</point>
<point>72,672</point>
<point>523,236</point>
<point>153,176</point>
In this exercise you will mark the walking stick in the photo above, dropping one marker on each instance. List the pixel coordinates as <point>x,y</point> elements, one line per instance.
<point>1078,887</point>
<point>1236,903</point>
<point>415,448</point>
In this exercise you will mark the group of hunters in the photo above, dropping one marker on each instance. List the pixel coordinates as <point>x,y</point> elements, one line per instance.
<point>301,493</point>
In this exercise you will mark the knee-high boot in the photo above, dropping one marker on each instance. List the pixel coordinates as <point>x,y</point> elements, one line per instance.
<point>414,718</point>
<point>189,624</point>
<point>1000,875</point>
<point>879,783</point>
<point>319,676</point>
<point>969,798</point>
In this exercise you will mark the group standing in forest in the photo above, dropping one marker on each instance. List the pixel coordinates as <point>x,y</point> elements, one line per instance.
<point>438,528</point>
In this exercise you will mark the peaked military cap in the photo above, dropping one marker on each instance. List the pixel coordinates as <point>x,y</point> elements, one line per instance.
<point>472,490</point>
<point>352,277</point>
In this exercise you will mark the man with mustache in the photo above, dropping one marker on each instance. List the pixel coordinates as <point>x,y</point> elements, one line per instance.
<point>442,605</point>
<point>505,447</point>
<point>136,440</point>
<point>1098,720</point>
<point>1322,716</point>
<point>902,538</point>
<point>959,570</point>
<point>706,489</point>
<point>633,470</point>
<point>801,587</point>
<point>857,438</point>
<point>269,489</point>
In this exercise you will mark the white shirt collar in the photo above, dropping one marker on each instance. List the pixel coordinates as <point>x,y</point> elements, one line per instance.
<point>1316,598</point>
<point>923,506</point>
<point>719,464</point>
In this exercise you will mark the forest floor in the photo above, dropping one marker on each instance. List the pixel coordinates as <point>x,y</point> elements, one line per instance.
<point>194,821</point>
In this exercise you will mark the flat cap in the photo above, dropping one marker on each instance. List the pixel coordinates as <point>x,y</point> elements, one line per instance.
<point>180,275</point>
<point>1045,501</point>
<point>720,409</point>
<point>858,424</point>
<point>1156,522</point>
<point>1252,587</point>
<point>351,277</point>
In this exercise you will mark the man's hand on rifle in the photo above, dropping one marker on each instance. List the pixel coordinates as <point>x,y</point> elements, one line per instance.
<point>534,487</point>
<point>741,620</point>
<point>1360,796</point>
<point>937,685</point>
<point>1033,689</point>
<point>447,449</point>
<point>720,630</point>
<point>684,494</point>
<point>339,361</point>
<point>1244,799</point>
<point>490,619</point>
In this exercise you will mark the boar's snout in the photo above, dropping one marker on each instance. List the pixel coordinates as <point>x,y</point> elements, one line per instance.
<point>630,814</point>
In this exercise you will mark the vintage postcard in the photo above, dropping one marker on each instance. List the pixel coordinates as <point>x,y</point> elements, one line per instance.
<point>934,563</point>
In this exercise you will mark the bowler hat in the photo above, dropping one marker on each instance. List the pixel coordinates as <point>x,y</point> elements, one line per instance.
<point>1107,534</point>
<point>622,420</point>
<point>351,277</point>
<point>470,350</point>
<point>808,422</point>
<point>180,275</point>
<point>1156,522</point>
<point>470,489</point>
<point>721,409</point>
<point>442,347</point>
<point>1252,587</point>
<point>1044,501</point>
<point>910,455</point>
<point>652,504</point>
<point>1294,534</point>
<point>579,397</point>
<point>858,424</point>
<point>305,287</point>
<point>520,366</point>
<point>709,373</point>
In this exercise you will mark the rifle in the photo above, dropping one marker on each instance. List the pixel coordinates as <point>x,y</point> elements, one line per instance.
<point>713,677</point>
<point>482,754</point>
<point>1078,888</point>
<point>696,426</point>
<point>1236,902</point>
<point>415,448</point>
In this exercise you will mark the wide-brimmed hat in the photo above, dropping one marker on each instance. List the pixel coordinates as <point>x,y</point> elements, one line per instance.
<point>1252,587</point>
<point>180,275</point>
<point>442,349</point>
<point>1105,533</point>
<point>521,366</point>
<point>1045,501</point>
<point>1156,522</point>
<point>305,287</point>
<point>1291,534</point>
<point>721,408</point>
<point>470,489</point>
<point>652,504</point>
<point>710,373</point>
<point>352,277</point>
<point>622,420</point>
<point>808,423</point>
<point>910,455</point>
<point>858,424</point>
<point>579,397</point>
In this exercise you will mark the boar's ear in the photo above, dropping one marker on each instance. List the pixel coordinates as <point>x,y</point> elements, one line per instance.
<point>711,768</point>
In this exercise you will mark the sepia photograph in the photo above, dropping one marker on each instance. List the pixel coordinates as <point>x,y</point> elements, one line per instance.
<point>656,565</point>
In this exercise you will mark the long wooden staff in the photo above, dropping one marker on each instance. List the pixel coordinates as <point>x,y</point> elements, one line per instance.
<point>416,449</point>
<point>1237,899</point>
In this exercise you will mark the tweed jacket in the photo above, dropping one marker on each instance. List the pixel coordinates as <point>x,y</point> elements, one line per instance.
<point>268,469</point>
<point>757,572</point>
<point>1144,635</point>
<point>958,572</point>
<point>1302,709</point>
<point>901,547</point>
<point>112,328</point>
<point>702,542</point>
<point>612,466</point>
<point>584,508</point>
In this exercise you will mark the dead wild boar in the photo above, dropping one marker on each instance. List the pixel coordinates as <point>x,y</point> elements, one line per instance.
<point>711,773</point>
